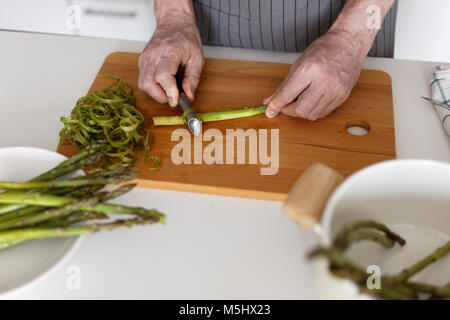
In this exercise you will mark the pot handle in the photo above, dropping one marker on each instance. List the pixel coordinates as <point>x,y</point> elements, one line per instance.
<point>307,198</point>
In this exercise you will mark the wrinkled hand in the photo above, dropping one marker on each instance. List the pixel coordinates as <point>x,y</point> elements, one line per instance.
<point>174,43</point>
<point>320,80</point>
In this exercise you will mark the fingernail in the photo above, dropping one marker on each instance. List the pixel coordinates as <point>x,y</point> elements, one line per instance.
<point>270,113</point>
<point>171,94</point>
<point>189,94</point>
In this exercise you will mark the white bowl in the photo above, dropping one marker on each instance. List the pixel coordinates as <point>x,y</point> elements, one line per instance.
<point>25,264</point>
<point>412,197</point>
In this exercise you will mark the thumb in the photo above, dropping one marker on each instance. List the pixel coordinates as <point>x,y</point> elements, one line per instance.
<point>287,93</point>
<point>276,103</point>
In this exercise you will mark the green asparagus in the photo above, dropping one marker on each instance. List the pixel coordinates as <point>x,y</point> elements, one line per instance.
<point>45,207</point>
<point>392,287</point>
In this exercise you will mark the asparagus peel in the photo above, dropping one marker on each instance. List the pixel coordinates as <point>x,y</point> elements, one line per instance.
<point>110,116</point>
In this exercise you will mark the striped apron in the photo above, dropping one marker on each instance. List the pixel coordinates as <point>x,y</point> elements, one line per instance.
<point>279,25</point>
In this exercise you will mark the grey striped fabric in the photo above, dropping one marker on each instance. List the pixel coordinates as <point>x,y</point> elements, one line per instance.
<point>281,25</point>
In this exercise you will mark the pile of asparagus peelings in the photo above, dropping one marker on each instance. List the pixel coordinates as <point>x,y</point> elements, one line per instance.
<point>50,205</point>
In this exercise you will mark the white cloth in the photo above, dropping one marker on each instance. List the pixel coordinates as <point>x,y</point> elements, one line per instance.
<point>440,91</point>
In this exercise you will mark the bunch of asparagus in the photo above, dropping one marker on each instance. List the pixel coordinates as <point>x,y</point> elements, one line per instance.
<point>47,207</point>
<point>392,287</point>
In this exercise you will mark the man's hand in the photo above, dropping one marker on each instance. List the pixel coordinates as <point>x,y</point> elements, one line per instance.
<point>176,41</point>
<point>319,81</point>
<point>324,75</point>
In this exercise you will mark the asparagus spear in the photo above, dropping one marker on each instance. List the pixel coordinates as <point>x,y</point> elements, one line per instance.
<point>74,218</point>
<point>76,182</point>
<point>7,238</point>
<point>65,167</point>
<point>365,234</point>
<point>57,201</point>
<point>342,241</point>
<point>106,196</point>
<point>91,152</point>
<point>210,116</point>
<point>422,264</point>
<point>436,291</point>
<point>25,209</point>
<point>83,192</point>
<point>66,206</point>
<point>21,213</point>
<point>53,207</point>
<point>49,214</point>
<point>393,287</point>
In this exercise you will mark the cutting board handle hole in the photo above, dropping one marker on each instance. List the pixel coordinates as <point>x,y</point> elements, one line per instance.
<point>358,127</point>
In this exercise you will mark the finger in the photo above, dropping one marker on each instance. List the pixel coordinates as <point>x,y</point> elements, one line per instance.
<point>331,107</point>
<point>192,71</point>
<point>289,110</point>
<point>305,103</point>
<point>325,104</point>
<point>144,71</point>
<point>285,95</point>
<point>166,69</point>
<point>147,83</point>
<point>267,99</point>
<point>154,90</point>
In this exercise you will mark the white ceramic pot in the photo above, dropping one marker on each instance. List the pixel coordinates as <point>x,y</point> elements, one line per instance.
<point>411,197</point>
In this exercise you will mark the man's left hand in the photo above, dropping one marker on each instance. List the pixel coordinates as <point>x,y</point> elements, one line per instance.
<point>320,80</point>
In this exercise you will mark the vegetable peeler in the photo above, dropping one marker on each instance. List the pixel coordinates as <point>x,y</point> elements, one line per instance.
<point>194,125</point>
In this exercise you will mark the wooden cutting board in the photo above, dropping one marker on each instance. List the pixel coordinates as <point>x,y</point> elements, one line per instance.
<point>233,84</point>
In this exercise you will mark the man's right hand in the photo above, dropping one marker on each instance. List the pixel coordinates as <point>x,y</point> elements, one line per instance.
<point>176,41</point>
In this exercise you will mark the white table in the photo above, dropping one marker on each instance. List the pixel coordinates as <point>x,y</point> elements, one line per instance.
<point>212,246</point>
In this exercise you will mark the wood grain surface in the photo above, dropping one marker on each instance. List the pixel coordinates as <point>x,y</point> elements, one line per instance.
<point>233,84</point>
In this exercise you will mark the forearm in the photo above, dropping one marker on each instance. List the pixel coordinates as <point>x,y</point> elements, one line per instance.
<point>176,42</point>
<point>358,22</point>
<point>170,11</point>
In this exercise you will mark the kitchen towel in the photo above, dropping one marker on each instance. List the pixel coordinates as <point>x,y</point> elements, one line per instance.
<point>440,90</point>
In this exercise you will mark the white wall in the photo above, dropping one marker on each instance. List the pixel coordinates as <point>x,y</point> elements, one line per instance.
<point>423,30</point>
<point>118,19</point>
<point>39,16</point>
